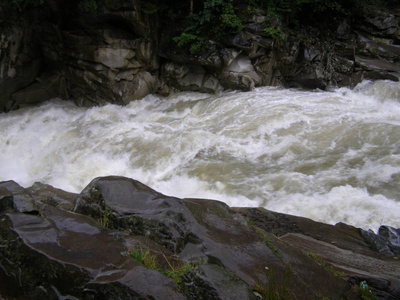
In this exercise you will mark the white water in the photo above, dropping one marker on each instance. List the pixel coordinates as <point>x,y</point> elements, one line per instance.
<point>330,156</point>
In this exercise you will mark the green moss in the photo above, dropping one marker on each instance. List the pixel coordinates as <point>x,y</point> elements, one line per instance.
<point>276,289</point>
<point>263,235</point>
<point>324,264</point>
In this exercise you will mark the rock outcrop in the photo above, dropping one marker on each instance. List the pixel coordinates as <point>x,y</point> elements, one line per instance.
<point>117,54</point>
<point>119,239</point>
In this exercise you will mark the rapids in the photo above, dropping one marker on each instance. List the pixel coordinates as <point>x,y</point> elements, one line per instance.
<point>332,156</point>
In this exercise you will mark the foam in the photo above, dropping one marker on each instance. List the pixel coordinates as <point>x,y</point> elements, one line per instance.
<point>332,156</point>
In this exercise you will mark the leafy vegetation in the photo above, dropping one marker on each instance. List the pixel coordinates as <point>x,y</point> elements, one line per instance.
<point>365,293</point>
<point>216,19</point>
<point>199,22</point>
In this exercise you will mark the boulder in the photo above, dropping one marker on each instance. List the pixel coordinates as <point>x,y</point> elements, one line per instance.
<point>240,74</point>
<point>121,239</point>
<point>190,78</point>
<point>353,252</point>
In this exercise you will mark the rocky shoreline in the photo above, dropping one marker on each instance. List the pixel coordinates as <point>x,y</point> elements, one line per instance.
<point>117,54</point>
<point>119,239</point>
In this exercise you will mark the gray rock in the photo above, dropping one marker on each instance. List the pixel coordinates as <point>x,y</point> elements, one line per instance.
<point>22,201</point>
<point>62,255</point>
<point>242,253</point>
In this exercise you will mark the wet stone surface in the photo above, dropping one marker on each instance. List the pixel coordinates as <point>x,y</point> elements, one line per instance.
<point>119,239</point>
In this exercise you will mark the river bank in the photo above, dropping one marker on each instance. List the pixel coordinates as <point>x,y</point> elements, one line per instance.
<point>117,53</point>
<point>120,239</point>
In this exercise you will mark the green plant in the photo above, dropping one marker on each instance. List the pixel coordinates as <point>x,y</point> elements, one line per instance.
<point>275,32</point>
<point>195,43</point>
<point>276,289</point>
<point>104,219</point>
<point>216,19</point>
<point>324,264</point>
<point>174,267</point>
<point>365,293</point>
<point>88,5</point>
<point>262,234</point>
<point>145,257</point>
<point>177,268</point>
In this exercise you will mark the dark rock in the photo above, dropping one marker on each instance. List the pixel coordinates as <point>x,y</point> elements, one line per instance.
<point>22,201</point>
<point>192,228</point>
<point>346,248</point>
<point>118,54</point>
<point>75,257</point>
<point>387,240</point>
<point>210,281</point>
<point>241,253</point>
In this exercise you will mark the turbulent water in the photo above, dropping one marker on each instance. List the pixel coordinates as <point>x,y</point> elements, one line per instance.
<point>330,156</point>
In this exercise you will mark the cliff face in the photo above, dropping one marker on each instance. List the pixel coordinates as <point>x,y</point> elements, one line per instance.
<point>119,239</point>
<point>118,54</point>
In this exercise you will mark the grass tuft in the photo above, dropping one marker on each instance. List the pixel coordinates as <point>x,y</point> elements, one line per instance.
<point>173,266</point>
<point>324,264</point>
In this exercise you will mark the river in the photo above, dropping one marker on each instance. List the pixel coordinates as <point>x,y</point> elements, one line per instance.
<point>332,156</point>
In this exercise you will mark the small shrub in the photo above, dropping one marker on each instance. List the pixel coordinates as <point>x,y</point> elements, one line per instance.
<point>214,21</point>
<point>365,293</point>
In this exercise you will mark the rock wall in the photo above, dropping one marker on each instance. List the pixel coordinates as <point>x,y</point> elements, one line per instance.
<point>119,239</point>
<point>118,54</point>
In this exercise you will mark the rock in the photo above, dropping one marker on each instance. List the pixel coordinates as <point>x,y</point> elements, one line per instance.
<point>118,54</point>
<point>15,198</point>
<point>190,78</point>
<point>387,240</point>
<point>113,58</point>
<point>211,281</point>
<point>75,257</point>
<point>349,250</point>
<point>225,253</point>
<point>240,74</point>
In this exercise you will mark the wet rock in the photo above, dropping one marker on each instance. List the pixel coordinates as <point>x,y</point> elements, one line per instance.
<point>190,78</point>
<point>75,257</point>
<point>387,240</point>
<point>202,229</point>
<point>225,253</point>
<point>240,74</point>
<point>350,250</point>
<point>211,281</point>
<point>15,198</point>
<point>118,54</point>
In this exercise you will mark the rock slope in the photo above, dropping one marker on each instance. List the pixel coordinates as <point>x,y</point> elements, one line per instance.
<point>118,54</point>
<point>119,239</point>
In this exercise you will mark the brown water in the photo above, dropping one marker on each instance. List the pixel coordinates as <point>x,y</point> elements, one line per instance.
<point>330,156</point>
